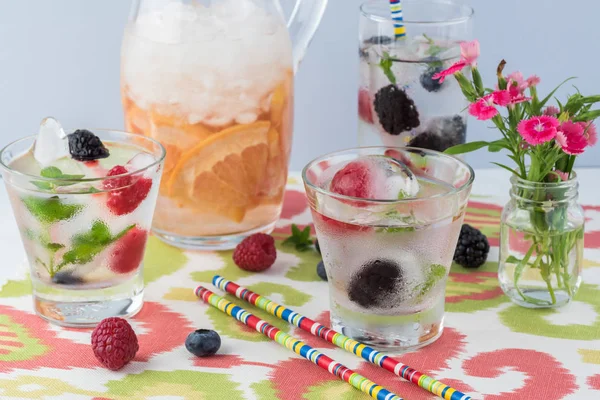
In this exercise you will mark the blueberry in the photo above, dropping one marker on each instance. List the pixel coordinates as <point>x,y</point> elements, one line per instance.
<point>317,247</point>
<point>203,342</point>
<point>375,284</point>
<point>66,278</point>
<point>427,81</point>
<point>321,270</point>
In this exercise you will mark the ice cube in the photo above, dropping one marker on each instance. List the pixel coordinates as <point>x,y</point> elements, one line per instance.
<point>139,161</point>
<point>51,143</point>
<point>375,177</point>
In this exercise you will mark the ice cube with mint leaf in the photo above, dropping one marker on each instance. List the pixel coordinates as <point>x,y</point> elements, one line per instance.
<point>51,142</point>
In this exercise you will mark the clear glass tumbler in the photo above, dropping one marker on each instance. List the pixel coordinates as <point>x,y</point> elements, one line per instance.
<point>387,261</point>
<point>84,228</point>
<point>399,102</point>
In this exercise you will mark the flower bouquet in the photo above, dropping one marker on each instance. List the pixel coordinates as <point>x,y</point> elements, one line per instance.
<point>541,236</point>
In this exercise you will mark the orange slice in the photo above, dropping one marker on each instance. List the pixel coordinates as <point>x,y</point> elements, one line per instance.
<point>223,172</point>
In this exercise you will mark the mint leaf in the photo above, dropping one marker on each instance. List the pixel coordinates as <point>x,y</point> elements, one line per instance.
<point>54,246</point>
<point>50,210</point>
<point>85,246</point>
<point>435,274</point>
<point>396,229</point>
<point>51,172</point>
<point>55,173</point>
<point>300,238</point>
<point>386,65</point>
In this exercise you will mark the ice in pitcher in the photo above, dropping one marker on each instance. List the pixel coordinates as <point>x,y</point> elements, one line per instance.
<point>214,86</point>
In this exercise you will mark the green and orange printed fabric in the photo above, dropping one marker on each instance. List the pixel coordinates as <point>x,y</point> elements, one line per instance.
<point>490,349</point>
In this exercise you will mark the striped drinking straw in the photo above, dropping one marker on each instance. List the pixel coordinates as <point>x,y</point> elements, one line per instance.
<point>399,28</point>
<point>335,368</point>
<point>352,346</point>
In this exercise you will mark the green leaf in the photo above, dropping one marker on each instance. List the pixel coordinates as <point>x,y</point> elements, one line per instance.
<point>512,260</point>
<point>477,81</point>
<point>54,246</point>
<point>300,238</point>
<point>43,185</point>
<point>545,100</point>
<point>512,171</point>
<point>466,147</point>
<point>51,172</point>
<point>498,145</point>
<point>435,274</point>
<point>591,99</point>
<point>588,116</point>
<point>386,65</point>
<point>50,210</point>
<point>396,229</point>
<point>85,246</point>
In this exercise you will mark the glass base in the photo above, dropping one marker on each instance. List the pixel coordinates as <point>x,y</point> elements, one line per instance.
<point>539,298</point>
<point>399,338</point>
<point>223,242</point>
<point>86,314</point>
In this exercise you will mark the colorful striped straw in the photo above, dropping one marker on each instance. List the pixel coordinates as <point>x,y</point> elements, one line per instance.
<point>399,28</point>
<point>373,356</point>
<point>335,368</point>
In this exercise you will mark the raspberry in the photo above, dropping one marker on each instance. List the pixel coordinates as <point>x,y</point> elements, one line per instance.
<point>255,253</point>
<point>114,343</point>
<point>365,112</point>
<point>129,251</point>
<point>85,146</point>
<point>125,193</point>
<point>353,180</point>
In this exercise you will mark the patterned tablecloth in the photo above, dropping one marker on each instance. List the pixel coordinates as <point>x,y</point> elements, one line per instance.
<point>490,348</point>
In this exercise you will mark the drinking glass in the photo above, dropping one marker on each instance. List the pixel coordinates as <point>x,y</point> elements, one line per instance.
<point>387,261</point>
<point>400,104</point>
<point>84,236</point>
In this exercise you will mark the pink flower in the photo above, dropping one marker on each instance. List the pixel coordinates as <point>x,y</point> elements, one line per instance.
<point>457,66</point>
<point>538,130</point>
<point>563,175</point>
<point>589,132</point>
<point>516,80</point>
<point>551,110</point>
<point>501,97</point>
<point>483,108</point>
<point>469,52</point>
<point>570,137</point>
<point>533,80</point>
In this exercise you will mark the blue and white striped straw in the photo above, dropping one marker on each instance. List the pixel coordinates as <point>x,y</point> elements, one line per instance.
<point>399,28</point>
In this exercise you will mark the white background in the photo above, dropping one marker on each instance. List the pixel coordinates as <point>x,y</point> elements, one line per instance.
<point>61,58</point>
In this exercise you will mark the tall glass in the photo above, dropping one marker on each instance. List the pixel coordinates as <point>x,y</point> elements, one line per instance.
<point>400,104</point>
<point>85,234</point>
<point>387,261</point>
<point>212,80</point>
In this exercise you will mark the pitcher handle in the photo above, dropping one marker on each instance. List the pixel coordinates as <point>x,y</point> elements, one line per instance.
<point>302,25</point>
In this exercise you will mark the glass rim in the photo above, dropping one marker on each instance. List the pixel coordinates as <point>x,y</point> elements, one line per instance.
<point>163,153</point>
<point>517,180</point>
<point>469,13</point>
<point>329,193</point>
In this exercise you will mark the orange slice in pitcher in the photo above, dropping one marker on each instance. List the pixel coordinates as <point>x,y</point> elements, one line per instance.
<point>222,173</point>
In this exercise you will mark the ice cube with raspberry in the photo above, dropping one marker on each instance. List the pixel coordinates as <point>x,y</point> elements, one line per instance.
<point>375,177</point>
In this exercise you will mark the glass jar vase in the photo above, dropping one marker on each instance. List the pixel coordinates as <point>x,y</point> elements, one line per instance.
<point>541,243</point>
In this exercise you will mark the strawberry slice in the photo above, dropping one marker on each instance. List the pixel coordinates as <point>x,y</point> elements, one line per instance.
<point>128,252</point>
<point>365,110</point>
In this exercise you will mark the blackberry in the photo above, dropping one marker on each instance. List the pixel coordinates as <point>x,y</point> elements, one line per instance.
<point>427,81</point>
<point>66,278</point>
<point>375,283</point>
<point>321,271</point>
<point>455,129</point>
<point>472,248</point>
<point>85,146</point>
<point>203,342</point>
<point>378,40</point>
<point>428,140</point>
<point>396,111</point>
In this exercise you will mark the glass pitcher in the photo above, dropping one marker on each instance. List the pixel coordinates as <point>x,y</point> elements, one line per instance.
<point>212,80</point>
